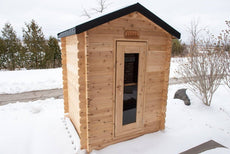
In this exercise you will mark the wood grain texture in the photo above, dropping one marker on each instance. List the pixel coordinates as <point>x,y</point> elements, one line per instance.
<point>124,47</point>
<point>101,52</point>
<point>72,80</point>
<point>166,82</point>
<point>64,74</point>
<point>90,77</point>
<point>82,88</point>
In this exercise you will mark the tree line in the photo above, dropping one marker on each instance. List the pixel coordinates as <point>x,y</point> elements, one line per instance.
<point>32,52</point>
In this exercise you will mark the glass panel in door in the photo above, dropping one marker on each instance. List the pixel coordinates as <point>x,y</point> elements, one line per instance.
<point>130,87</point>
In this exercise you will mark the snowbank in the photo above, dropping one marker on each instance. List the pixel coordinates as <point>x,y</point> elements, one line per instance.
<point>30,80</point>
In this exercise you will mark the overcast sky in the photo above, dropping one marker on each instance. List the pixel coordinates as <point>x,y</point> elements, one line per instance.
<point>57,15</point>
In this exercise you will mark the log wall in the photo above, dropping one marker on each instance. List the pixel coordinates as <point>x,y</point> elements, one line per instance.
<point>82,89</point>
<point>64,74</point>
<point>101,50</point>
<point>75,83</point>
<point>72,80</point>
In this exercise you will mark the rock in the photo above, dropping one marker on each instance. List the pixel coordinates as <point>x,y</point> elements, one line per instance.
<point>181,94</point>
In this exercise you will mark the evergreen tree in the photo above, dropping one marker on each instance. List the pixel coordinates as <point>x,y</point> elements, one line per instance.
<point>35,45</point>
<point>178,49</point>
<point>2,54</point>
<point>53,54</point>
<point>13,46</point>
<point>23,58</point>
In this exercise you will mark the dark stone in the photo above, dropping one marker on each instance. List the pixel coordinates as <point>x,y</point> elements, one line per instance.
<point>181,94</point>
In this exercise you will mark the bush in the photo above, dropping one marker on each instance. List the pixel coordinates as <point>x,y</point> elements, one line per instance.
<point>203,68</point>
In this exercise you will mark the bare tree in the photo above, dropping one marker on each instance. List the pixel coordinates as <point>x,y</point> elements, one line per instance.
<point>102,5</point>
<point>194,30</point>
<point>86,13</point>
<point>202,69</point>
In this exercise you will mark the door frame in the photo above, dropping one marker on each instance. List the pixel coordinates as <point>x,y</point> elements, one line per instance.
<point>130,46</point>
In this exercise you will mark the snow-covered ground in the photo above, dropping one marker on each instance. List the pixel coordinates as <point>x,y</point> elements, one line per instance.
<point>29,80</point>
<point>34,128</point>
<point>39,127</point>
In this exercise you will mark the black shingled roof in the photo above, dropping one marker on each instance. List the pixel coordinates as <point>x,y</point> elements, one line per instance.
<point>119,13</point>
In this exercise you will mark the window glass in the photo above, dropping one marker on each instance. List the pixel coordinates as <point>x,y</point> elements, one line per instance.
<point>130,88</point>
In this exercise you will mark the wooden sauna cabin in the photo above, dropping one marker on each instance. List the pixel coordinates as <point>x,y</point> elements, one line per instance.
<point>115,75</point>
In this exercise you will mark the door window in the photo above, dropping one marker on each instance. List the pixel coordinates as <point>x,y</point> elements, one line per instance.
<point>130,87</point>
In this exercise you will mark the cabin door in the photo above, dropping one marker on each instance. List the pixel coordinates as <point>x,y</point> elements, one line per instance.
<point>130,80</point>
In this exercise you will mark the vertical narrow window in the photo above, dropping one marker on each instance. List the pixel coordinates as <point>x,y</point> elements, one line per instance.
<point>130,87</point>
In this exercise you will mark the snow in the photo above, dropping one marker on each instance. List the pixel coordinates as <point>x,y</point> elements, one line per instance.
<point>40,127</point>
<point>30,80</point>
<point>34,128</point>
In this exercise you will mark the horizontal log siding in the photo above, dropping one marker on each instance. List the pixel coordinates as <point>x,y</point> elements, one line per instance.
<point>101,77</point>
<point>82,88</point>
<point>72,80</point>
